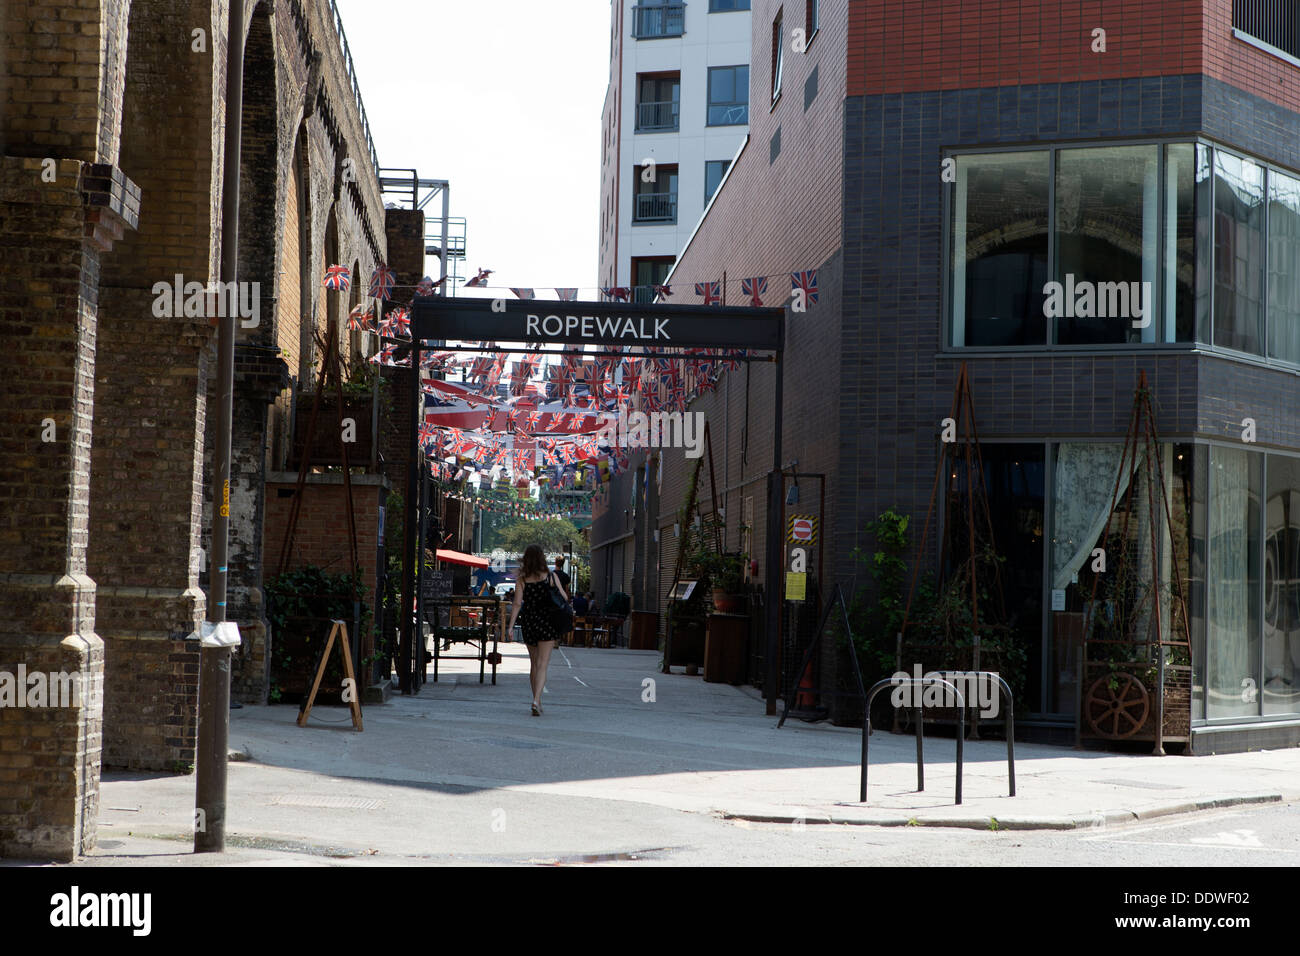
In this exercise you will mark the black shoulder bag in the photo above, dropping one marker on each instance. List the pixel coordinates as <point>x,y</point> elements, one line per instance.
<point>561,613</point>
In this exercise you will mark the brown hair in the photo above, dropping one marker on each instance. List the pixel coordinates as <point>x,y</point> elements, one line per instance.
<point>534,562</point>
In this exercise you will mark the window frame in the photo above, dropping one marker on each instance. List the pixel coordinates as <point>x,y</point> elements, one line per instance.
<point>778,54</point>
<point>726,166</point>
<point>1197,344</point>
<point>708,93</point>
<point>714,8</point>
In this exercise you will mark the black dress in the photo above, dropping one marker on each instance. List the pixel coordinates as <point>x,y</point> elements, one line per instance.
<point>535,612</point>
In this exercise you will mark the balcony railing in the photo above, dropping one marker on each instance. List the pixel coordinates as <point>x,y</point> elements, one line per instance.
<point>657,117</point>
<point>655,207</point>
<point>659,20</point>
<point>1275,22</point>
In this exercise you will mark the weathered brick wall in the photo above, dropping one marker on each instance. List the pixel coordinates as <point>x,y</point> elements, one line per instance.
<point>321,535</point>
<point>49,759</point>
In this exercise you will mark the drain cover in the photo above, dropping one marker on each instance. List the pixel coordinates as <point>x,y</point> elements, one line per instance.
<point>326,803</point>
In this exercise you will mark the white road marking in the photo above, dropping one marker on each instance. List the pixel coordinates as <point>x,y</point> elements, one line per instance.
<point>1242,838</point>
<point>579,680</point>
<point>1202,846</point>
<point>565,656</point>
<point>1130,831</point>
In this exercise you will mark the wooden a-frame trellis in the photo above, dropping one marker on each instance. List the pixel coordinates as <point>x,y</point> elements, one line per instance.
<point>1116,705</point>
<point>963,446</point>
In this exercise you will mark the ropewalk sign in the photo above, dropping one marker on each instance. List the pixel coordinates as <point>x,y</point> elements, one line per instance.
<point>596,323</point>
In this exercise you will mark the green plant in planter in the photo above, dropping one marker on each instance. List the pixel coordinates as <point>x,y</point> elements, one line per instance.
<point>300,605</point>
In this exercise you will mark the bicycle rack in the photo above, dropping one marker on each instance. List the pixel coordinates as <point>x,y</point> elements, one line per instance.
<point>920,727</point>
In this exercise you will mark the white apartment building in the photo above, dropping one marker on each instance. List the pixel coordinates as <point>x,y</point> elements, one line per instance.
<point>676,112</point>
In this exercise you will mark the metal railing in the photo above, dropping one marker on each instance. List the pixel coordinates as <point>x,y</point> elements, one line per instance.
<point>356,88</point>
<point>658,20</point>
<point>1276,22</point>
<point>658,116</point>
<point>655,207</point>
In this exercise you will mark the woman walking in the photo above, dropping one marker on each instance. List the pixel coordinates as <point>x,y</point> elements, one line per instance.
<point>533,608</point>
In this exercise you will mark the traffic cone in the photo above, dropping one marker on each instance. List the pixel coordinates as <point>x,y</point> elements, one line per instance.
<point>805,698</point>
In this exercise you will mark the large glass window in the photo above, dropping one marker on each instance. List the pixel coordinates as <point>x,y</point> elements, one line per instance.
<point>1238,253</point>
<point>1283,267</point>
<point>1107,217</point>
<point>1280,690</point>
<point>999,249</point>
<point>1233,579</point>
<point>1187,243</point>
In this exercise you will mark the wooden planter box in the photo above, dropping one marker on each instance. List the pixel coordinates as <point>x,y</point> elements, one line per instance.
<point>325,445</point>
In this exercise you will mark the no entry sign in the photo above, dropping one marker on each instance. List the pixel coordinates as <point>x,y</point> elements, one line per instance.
<point>803,529</point>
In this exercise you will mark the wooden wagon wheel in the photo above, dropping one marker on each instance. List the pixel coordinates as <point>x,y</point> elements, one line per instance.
<point>1119,712</point>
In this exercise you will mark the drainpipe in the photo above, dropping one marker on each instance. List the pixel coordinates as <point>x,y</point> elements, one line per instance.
<point>214,662</point>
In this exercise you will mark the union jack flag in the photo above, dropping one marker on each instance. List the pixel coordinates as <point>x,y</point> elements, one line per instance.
<point>616,292</point>
<point>426,286</point>
<point>480,280</point>
<point>338,278</point>
<point>712,292</point>
<point>359,319</point>
<point>523,293</point>
<point>755,288</point>
<point>381,282</point>
<point>664,290</point>
<point>807,281</point>
<point>532,419</point>
<point>400,321</point>
<point>567,295</point>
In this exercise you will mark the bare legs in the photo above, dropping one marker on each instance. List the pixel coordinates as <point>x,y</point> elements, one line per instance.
<point>539,659</point>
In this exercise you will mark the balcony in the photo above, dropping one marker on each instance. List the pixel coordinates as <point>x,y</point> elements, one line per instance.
<point>658,117</point>
<point>655,207</point>
<point>654,22</point>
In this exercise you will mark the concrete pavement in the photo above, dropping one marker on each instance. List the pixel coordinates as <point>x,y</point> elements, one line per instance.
<point>463,768</point>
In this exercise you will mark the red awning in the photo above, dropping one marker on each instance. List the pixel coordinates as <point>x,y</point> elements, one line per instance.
<point>456,557</point>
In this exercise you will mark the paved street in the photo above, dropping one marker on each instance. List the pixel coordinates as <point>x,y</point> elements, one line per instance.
<point>463,774</point>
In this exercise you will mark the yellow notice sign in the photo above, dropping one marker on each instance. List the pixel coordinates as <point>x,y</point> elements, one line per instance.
<point>796,586</point>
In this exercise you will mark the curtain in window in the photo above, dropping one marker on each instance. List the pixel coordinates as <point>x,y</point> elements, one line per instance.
<point>1084,486</point>
<point>1233,583</point>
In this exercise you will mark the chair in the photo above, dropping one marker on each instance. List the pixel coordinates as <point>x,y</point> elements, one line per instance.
<point>599,632</point>
<point>580,632</point>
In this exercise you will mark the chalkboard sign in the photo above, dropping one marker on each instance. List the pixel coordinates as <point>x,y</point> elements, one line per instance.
<point>435,586</point>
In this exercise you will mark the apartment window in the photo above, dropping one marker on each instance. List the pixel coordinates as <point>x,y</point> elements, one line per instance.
<point>727,6</point>
<point>654,19</point>
<point>812,19</point>
<point>1275,23</point>
<point>658,107</point>
<point>714,170</point>
<point>655,201</point>
<point>728,96</point>
<point>648,272</point>
<point>778,54</point>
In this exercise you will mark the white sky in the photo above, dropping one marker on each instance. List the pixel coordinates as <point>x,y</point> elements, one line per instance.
<point>502,98</point>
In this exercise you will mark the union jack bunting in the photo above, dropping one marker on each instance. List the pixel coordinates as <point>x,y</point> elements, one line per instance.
<point>523,293</point>
<point>567,295</point>
<point>711,291</point>
<point>532,419</point>
<point>480,280</point>
<point>664,290</point>
<point>807,281</point>
<point>338,278</point>
<point>426,286</point>
<point>359,319</point>
<point>524,461</point>
<point>616,292</point>
<point>400,321</point>
<point>381,282</point>
<point>755,288</point>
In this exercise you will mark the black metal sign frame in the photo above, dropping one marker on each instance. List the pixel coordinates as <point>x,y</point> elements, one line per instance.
<point>612,324</point>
